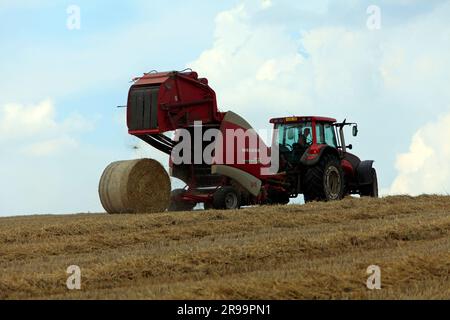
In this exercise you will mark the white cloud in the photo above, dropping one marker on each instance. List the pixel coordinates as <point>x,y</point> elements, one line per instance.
<point>18,121</point>
<point>265,4</point>
<point>34,130</point>
<point>251,65</point>
<point>43,160</point>
<point>49,147</point>
<point>266,67</point>
<point>425,168</point>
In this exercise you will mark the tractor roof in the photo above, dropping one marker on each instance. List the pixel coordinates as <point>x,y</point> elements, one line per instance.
<point>295,119</point>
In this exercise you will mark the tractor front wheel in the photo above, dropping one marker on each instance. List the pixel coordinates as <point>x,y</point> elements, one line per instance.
<point>324,181</point>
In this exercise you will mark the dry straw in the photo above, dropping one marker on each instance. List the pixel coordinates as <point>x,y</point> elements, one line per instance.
<point>137,186</point>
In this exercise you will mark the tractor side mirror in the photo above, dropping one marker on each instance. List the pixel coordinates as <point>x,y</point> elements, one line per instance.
<point>355,131</point>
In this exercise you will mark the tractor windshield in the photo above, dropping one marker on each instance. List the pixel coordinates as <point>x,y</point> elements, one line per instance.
<point>294,134</point>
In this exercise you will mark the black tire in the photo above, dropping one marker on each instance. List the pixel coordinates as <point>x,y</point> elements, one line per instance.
<point>178,205</point>
<point>227,198</point>
<point>370,190</point>
<point>325,181</point>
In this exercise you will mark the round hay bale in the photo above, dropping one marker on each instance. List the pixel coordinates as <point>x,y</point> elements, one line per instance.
<point>136,186</point>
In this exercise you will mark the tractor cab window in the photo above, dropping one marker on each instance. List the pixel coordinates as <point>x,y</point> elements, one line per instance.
<point>326,134</point>
<point>330,135</point>
<point>295,134</point>
<point>320,136</point>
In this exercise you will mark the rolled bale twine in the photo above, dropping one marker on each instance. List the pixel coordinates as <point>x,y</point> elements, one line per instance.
<point>136,186</point>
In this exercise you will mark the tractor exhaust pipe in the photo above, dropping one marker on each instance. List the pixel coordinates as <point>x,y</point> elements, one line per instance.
<point>342,137</point>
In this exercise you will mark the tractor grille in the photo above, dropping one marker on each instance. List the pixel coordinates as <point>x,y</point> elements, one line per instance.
<point>143,108</point>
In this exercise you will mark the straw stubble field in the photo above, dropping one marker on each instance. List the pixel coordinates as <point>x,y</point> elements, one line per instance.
<point>314,251</point>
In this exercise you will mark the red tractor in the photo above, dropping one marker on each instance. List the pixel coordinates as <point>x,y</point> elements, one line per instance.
<point>318,164</point>
<point>310,153</point>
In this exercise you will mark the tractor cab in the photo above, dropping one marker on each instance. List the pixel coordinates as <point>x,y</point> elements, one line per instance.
<point>297,136</point>
<point>306,143</point>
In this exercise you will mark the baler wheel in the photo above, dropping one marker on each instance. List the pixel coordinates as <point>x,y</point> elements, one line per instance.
<point>227,198</point>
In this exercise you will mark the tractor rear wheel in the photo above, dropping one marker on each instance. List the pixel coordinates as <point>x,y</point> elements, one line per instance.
<point>325,181</point>
<point>176,204</point>
<point>370,190</point>
<point>227,198</point>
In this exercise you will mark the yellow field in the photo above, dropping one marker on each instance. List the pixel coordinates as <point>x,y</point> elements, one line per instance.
<point>315,251</point>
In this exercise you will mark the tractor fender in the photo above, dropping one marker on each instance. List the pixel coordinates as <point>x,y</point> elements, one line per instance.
<point>245,179</point>
<point>314,153</point>
<point>364,172</point>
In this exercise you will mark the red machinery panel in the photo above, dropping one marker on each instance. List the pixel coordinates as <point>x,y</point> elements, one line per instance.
<point>161,102</point>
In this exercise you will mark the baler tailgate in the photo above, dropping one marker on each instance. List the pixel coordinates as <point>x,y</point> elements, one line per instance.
<point>162,102</point>
<point>144,108</point>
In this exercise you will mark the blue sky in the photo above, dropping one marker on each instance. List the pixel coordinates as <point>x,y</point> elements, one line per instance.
<point>59,126</point>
